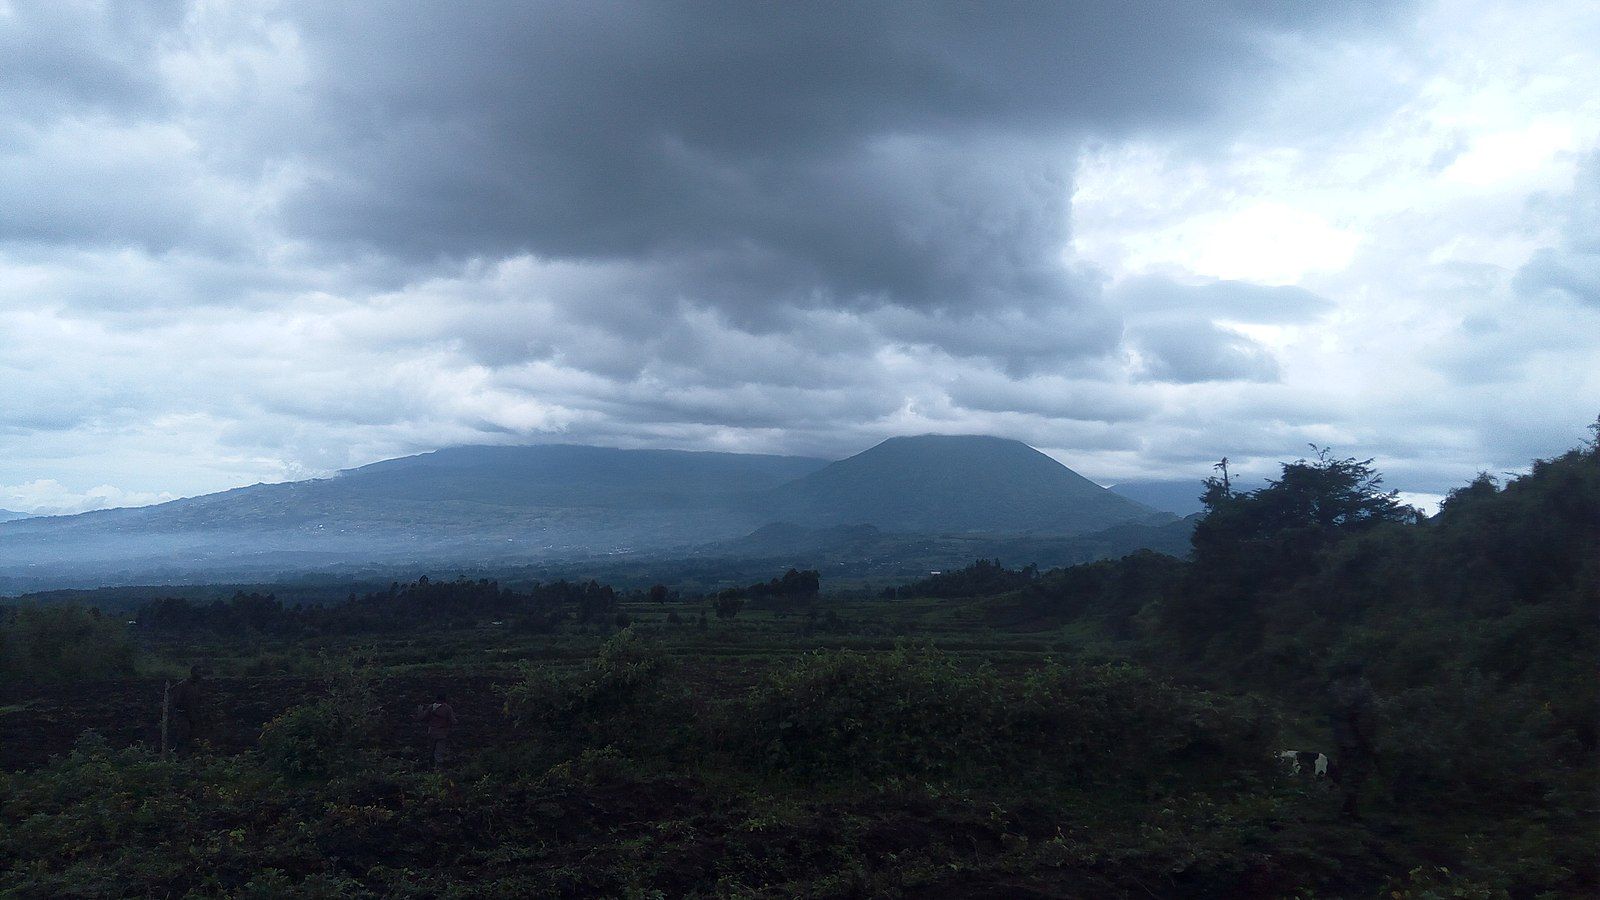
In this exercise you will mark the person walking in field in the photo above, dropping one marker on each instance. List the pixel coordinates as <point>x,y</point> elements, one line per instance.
<point>187,712</point>
<point>1351,716</point>
<point>438,718</point>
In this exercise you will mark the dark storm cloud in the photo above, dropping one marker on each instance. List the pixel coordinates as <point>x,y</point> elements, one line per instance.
<point>841,155</point>
<point>761,157</point>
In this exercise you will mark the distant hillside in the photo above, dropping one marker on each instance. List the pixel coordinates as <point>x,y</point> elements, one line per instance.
<point>957,483</point>
<point>573,476</point>
<point>1179,497</point>
<point>519,505</point>
<point>863,550</point>
<point>468,486</point>
<point>7,515</point>
<point>462,504</point>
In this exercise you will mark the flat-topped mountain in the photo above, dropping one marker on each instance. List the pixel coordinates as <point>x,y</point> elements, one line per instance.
<point>545,502</point>
<point>575,475</point>
<point>470,487</point>
<point>464,503</point>
<point>958,483</point>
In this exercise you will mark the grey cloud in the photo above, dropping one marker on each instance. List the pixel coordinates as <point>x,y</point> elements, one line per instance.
<point>1196,351</point>
<point>1021,342</point>
<point>1238,300</point>
<point>1172,327</point>
<point>595,128</point>
<point>1571,269</point>
<point>618,319</point>
<point>1057,398</point>
<point>1572,273</point>
<point>760,158</point>
<point>93,183</point>
<point>83,59</point>
<point>916,155</point>
<point>759,406</point>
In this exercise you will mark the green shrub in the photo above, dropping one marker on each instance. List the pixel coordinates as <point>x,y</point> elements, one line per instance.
<point>620,696</point>
<point>318,738</point>
<point>919,713</point>
<point>844,713</point>
<point>63,643</point>
<point>1118,720</point>
<point>1454,741</point>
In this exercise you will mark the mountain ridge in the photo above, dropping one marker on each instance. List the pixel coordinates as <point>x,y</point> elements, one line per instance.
<point>547,501</point>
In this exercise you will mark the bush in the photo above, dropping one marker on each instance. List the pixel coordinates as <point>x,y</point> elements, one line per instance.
<point>618,696</point>
<point>983,578</point>
<point>918,713</point>
<point>63,643</point>
<point>1116,721</point>
<point>1470,743</point>
<point>728,603</point>
<point>318,738</point>
<point>849,714</point>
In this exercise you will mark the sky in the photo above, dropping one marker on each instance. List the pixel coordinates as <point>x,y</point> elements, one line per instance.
<point>260,241</point>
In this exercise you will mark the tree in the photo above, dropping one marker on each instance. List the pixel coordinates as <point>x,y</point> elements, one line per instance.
<point>1279,528</point>
<point>1252,543</point>
<point>728,603</point>
<point>800,584</point>
<point>63,643</point>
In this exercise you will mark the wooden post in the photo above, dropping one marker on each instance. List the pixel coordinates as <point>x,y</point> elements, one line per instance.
<point>166,706</point>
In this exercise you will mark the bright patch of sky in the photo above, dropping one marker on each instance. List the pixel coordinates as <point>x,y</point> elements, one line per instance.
<point>1410,210</point>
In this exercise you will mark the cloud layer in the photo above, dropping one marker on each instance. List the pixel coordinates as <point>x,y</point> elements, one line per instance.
<point>262,241</point>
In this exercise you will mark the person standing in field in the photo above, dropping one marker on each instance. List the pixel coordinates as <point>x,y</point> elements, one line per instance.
<point>1351,716</point>
<point>438,718</point>
<point>187,714</point>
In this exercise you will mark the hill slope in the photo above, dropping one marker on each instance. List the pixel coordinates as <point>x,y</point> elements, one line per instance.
<point>957,483</point>
<point>468,503</point>
<point>536,503</point>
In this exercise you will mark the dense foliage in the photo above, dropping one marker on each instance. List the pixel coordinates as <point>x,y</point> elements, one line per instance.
<point>53,643</point>
<point>922,716</point>
<point>1109,595</point>
<point>326,734</point>
<point>620,697</point>
<point>1477,629</point>
<point>985,577</point>
<point>418,605</point>
<point>849,774</point>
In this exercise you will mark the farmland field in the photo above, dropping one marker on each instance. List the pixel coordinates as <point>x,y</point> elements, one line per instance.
<point>472,665</point>
<point>665,791</point>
